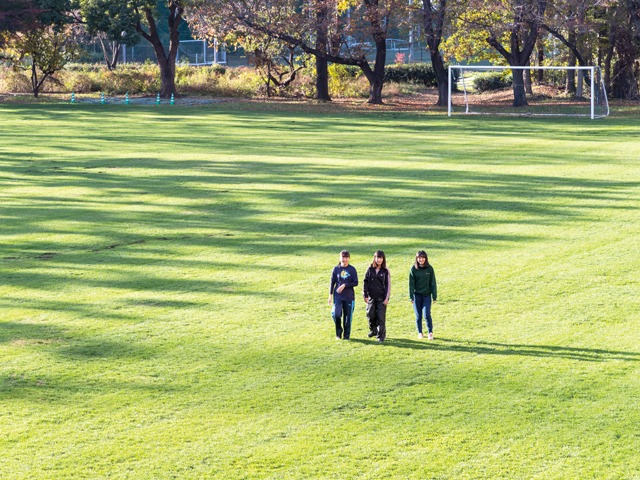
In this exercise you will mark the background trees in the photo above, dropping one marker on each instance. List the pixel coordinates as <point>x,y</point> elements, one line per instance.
<point>37,30</point>
<point>16,16</point>
<point>283,35</point>
<point>509,27</point>
<point>125,21</point>
<point>331,31</point>
<point>49,49</point>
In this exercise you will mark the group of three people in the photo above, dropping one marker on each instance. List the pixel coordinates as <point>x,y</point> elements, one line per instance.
<point>376,292</point>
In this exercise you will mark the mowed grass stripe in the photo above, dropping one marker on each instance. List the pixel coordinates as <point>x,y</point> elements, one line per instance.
<point>163,284</point>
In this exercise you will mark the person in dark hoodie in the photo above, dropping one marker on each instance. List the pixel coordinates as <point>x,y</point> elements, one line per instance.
<point>422,288</point>
<point>376,291</point>
<point>343,278</point>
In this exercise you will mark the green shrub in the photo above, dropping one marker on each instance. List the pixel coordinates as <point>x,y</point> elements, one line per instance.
<point>218,69</point>
<point>417,73</point>
<point>489,81</point>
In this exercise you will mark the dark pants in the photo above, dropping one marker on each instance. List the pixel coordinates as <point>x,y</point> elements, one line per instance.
<point>339,310</point>
<point>377,315</point>
<point>422,306</point>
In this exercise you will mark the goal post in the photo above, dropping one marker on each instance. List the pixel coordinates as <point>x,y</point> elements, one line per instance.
<point>507,90</point>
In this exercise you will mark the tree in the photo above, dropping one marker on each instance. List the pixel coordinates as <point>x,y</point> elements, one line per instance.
<point>297,23</point>
<point>110,50</point>
<point>510,27</point>
<point>277,63</point>
<point>222,20</point>
<point>48,49</point>
<point>624,38</point>
<point>434,14</point>
<point>125,21</point>
<point>113,24</point>
<point>17,16</point>
<point>571,22</point>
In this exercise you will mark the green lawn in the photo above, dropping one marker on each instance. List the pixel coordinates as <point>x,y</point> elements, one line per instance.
<point>164,275</point>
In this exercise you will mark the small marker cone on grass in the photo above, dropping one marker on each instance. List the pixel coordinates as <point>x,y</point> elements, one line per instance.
<point>158,100</point>
<point>126,99</point>
<point>102,98</point>
<point>73,97</point>
<point>172,102</point>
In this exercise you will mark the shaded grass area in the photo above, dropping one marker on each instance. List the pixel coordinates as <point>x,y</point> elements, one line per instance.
<point>164,273</point>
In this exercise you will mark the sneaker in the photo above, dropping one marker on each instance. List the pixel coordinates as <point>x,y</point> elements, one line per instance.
<point>371,334</point>
<point>338,338</point>
<point>431,336</point>
<point>345,338</point>
<point>420,335</point>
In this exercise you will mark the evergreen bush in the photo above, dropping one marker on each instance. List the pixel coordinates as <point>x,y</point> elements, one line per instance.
<point>417,73</point>
<point>489,81</point>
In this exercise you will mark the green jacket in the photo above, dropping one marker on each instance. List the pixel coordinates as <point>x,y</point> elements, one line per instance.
<point>423,281</point>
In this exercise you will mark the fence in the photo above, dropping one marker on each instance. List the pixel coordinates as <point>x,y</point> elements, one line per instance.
<point>193,52</point>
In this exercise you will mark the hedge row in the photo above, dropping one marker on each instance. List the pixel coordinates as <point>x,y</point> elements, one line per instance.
<point>489,81</point>
<point>416,73</point>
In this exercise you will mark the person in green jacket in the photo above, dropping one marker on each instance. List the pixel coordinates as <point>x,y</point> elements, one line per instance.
<point>422,288</point>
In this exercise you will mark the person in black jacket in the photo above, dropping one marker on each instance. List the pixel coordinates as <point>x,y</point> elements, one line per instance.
<point>376,291</point>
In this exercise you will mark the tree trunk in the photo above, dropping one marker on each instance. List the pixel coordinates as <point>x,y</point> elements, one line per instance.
<point>540,72</point>
<point>375,91</point>
<point>441,78</point>
<point>166,61</point>
<point>438,68</point>
<point>571,74</point>
<point>579,84</point>
<point>167,72</point>
<point>433,28</point>
<point>34,80</point>
<point>115,50</point>
<point>527,80</point>
<point>607,66</point>
<point>376,76</point>
<point>519,94</point>
<point>322,73</point>
<point>322,80</point>
<point>37,83</point>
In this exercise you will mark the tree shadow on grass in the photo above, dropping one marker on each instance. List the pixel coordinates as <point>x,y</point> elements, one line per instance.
<point>506,349</point>
<point>24,333</point>
<point>68,343</point>
<point>320,196</point>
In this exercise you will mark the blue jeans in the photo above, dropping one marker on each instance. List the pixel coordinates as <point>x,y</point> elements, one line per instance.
<point>342,309</point>
<point>422,307</point>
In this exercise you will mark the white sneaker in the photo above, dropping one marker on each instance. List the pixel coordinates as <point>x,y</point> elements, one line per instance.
<point>431,336</point>
<point>420,335</point>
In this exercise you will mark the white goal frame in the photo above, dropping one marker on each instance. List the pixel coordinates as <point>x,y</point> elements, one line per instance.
<point>592,71</point>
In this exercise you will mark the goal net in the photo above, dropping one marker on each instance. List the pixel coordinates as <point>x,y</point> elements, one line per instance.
<point>559,91</point>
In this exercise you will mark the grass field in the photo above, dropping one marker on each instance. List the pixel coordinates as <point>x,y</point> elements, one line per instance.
<point>164,276</point>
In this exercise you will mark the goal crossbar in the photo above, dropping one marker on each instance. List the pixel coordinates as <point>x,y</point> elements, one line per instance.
<point>591,69</point>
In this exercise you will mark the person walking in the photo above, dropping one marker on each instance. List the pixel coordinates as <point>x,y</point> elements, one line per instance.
<point>422,288</point>
<point>376,291</point>
<point>343,278</point>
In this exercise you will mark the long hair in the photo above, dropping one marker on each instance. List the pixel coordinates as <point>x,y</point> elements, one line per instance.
<point>379,254</point>
<point>422,253</point>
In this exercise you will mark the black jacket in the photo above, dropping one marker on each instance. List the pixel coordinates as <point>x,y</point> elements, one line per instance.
<point>376,285</point>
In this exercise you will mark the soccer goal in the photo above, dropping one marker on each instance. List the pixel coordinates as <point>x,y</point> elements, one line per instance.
<point>551,91</point>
